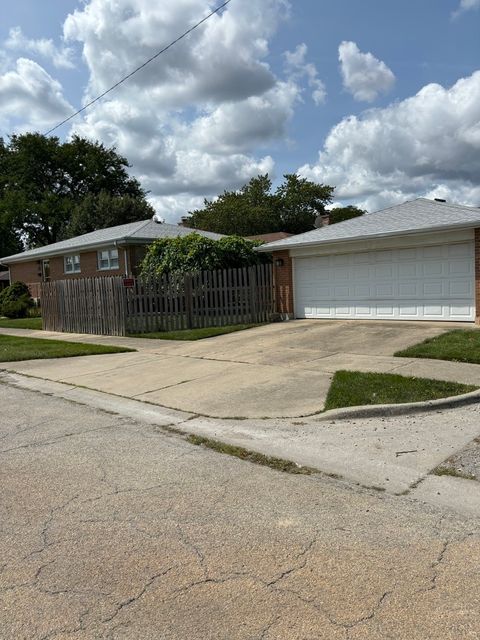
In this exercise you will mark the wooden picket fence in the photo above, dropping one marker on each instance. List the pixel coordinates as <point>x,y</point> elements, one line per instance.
<point>84,305</point>
<point>117,306</point>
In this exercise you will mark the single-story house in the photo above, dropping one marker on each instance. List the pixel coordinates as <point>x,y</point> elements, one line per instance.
<point>4,279</point>
<point>419,260</point>
<point>106,252</point>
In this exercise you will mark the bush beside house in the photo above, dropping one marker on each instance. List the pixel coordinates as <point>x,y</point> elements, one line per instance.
<point>193,253</point>
<point>15,301</point>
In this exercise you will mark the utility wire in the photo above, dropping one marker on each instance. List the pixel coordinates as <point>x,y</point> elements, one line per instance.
<point>159,53</point>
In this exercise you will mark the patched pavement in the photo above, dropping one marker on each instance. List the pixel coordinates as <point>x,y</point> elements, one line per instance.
<point>112,528</point>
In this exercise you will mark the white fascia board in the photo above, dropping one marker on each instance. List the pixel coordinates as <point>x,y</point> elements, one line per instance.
<point>388,242</point>
<point>317,243</point>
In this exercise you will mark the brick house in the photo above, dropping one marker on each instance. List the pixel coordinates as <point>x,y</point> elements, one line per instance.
<point>419,260</point>
<point>106,252</point>
<point>4,279</point>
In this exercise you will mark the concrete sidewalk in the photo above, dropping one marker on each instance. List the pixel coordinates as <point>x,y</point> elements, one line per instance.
<point>273,371</point>
<point>394,454</point>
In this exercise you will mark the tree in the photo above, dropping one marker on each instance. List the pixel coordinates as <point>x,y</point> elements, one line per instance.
<point>340,214</point>
<point>193,252</point>
<point>301,201</point>
<point>43,180</point>
<point>254,209</point>
<point>9,240</point>
<point>104,210</point>
<point>244,213</point>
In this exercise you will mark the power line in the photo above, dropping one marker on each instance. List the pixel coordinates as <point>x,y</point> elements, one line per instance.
<point>159,53</point>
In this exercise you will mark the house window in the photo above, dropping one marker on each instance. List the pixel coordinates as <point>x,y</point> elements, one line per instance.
<point>72,264</point>
<point>107,259</point>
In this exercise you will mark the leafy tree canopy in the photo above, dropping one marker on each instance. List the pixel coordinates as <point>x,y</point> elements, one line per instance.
<point>255,209</point>
<point>104,210</point>
<point>193,252</point>
<point>44,182</point>
<point>340,214</point>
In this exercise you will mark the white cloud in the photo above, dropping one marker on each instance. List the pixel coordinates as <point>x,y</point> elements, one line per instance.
<point>364,76</point>
<point>297,67</point>
<point>466,5</point>
<point>190,123</point>
<point>28,93</point>
<point>61,57</point>
<point>426,144</point>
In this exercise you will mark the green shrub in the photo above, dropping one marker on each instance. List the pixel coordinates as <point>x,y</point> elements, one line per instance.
<point>193,252</point>
<point>15,301</point>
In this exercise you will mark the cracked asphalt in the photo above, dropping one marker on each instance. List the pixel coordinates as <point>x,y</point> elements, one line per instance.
<point>115,529</point>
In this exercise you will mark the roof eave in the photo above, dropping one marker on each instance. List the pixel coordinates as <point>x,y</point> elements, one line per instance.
<point>61,252</point>
<point>301,245</point>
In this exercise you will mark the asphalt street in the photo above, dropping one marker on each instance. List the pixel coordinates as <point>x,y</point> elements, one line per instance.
<point>113,528</point>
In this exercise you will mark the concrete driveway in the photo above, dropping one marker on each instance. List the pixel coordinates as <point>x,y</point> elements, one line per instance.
<point>278,370</point>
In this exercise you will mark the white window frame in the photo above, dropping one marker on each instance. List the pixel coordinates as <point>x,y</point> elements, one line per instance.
<point>109,258</point>
<point>72,260</point>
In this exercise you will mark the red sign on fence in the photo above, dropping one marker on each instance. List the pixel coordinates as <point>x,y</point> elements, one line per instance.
<point>128,282</point>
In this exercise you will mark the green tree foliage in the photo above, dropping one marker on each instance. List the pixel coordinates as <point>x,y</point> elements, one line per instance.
<point>104,210</point>
<point>15,301</point>
<point>193,252</point>
<point>9,240</point>
<point>254,209</point>
<point>340,214</point>
<point>43,180</point>
<point>247,212</point>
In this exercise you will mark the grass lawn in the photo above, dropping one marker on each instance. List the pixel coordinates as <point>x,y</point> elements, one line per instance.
<point>194,334</point>
<point>460,345</point>
<point>14,349</point>
<point>354,388</point>
<point>21,323</point>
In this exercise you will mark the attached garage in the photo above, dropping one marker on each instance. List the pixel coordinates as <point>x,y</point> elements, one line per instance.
<point>424,283</point>
<point>415,261</point>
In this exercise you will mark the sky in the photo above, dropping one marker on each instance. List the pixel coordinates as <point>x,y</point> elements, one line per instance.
<point>379,99</point>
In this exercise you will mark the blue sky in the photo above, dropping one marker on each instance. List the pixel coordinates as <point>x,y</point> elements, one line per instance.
<point>260,88</point>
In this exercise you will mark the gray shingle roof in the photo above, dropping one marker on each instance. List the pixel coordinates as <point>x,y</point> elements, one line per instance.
<point>132,233</point>
<point>410,217</point>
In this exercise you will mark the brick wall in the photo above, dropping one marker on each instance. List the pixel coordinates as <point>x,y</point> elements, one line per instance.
<point>25,272</point>
<point>31,272</point>
<point>477,275</point>
<point>283,280</point>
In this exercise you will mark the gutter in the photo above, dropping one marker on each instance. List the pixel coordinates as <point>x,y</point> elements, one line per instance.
<point>69,250</point>
<point>269,248</point>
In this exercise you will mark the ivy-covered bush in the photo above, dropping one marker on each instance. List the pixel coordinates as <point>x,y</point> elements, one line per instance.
<point>193,253</point>
<point>15,301</point>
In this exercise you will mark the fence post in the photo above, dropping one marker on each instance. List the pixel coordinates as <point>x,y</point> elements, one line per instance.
<point>188,294</point>
<point>252,284</point>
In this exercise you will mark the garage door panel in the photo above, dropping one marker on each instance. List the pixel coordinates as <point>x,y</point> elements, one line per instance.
<point>433,268</point>
<point>434,289</point>
<point>460,289</point>
<point>460,267</point>
<point>429,283</point>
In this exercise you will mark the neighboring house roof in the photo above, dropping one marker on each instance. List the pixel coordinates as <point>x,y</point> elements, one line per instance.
<point>414,216</point>
<point>270,237</point>
<point>142,232</point>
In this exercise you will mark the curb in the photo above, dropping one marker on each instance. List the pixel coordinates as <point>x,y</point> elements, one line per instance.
<point>385,410</point>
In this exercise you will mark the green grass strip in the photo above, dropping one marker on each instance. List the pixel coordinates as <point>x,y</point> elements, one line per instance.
<point>460,345</point>
<point>13,349</point>
<point>286,466</point>
<point>195,334</point>
<point>355,388</point>
<point>21,323</point>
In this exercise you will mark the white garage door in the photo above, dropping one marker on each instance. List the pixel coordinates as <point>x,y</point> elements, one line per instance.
<point>422,283</point>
